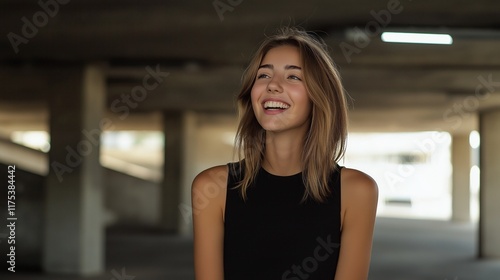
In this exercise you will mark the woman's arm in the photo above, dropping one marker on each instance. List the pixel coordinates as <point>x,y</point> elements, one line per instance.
<point>359,206</point>
<point>208,197</point>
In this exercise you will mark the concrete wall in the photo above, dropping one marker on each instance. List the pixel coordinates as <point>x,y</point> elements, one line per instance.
<point>128,201</point>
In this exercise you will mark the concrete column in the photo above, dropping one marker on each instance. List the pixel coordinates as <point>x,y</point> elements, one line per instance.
<point>172,171</point>
<point>489,207</point>
<point>460,194</point>
<point>73,241</point>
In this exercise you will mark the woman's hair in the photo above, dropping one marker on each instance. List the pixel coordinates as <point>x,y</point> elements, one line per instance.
<point>325,140</point>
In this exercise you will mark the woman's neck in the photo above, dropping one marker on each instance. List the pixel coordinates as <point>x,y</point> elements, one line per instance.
<point>283,154</point>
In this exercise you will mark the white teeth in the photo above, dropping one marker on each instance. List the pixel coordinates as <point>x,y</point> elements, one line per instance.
<point>275,105</point>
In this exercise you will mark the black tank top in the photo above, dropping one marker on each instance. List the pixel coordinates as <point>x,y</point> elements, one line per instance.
<point>273,236</point>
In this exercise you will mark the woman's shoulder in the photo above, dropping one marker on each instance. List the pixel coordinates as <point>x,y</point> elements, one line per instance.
<point>218,176</point>
<point>359,197</point>
<point>208,191</point>
<point>358,185</point>
<point>208,178</point>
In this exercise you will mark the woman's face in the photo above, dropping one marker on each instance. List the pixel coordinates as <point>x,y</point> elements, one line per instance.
<point>279,97</point>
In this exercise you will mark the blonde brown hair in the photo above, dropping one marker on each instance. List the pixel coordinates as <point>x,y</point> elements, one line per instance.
<point>325,140</point>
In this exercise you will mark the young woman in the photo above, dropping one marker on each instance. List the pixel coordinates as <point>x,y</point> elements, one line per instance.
<point>286,210</point>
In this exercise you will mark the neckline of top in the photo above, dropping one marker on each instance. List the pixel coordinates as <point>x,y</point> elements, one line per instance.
<point>280,176</point>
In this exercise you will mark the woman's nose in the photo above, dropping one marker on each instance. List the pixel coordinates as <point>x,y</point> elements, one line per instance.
<point>274,85</point>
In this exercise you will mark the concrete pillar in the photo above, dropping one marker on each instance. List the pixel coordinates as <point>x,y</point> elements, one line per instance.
<point>460,194</point>
<point>73,241</point>
<point>172,171</point>
<point>489,207</point>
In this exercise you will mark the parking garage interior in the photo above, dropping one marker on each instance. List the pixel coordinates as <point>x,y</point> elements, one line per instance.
<point>108,109</point>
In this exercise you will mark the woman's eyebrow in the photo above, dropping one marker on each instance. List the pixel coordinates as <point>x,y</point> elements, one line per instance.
<point>269,66</point>
<point>287,67</point>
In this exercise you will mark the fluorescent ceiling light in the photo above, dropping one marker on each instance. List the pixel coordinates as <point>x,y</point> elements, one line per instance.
<point>417,38</point>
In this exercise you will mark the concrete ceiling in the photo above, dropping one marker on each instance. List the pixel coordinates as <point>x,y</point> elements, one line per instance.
<point>394,87</point>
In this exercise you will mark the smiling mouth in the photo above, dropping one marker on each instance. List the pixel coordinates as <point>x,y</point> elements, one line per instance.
<point>275,105</point>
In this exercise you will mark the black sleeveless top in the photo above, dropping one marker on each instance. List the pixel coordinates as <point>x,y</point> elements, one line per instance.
<point>273,236</point>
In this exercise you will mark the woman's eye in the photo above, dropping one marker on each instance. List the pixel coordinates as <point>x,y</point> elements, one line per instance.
<point>293,77</point>
<point>261,76</point>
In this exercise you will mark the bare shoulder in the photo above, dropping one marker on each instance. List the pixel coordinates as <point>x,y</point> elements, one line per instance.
<point>208,192</point>
<point>358,185</point>
<point>208,200</point>
<point>358,188</point>
<point>214,176</point>
<point>359,207</point>
<point>359,197</point>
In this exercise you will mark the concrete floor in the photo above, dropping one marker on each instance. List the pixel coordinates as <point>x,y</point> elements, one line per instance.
<point>403,250</point>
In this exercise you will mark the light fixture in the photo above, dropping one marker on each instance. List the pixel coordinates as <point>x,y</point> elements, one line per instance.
<point>417,38</point>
